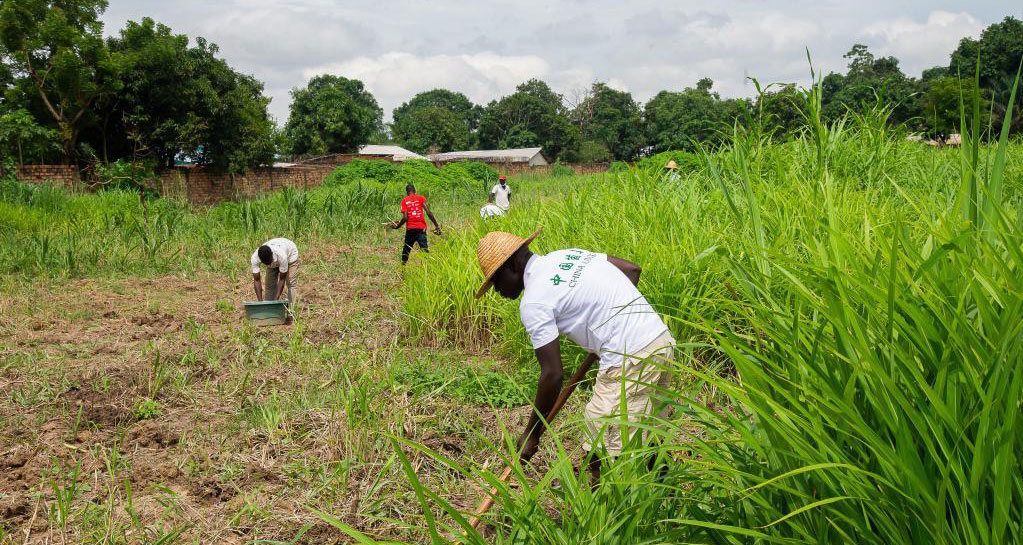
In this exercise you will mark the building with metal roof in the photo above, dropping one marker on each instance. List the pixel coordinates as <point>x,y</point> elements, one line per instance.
<point>530,156</point>
<point>396,153</point>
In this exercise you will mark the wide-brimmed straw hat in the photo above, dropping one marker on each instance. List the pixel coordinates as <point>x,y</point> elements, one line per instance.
<point>671,165</point>
<point>493,250</point>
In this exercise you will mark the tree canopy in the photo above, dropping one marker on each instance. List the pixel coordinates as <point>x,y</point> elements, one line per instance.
<point>611,119</point>
<point>532,116</point>
<point>332,114</point>
<point>682,120</point>
<point>56,51</point>
<point>436,121</point>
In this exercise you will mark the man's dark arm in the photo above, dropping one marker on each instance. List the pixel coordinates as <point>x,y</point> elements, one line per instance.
<point>430,215</point>
<point>398,223</point>
<point>628,268</point>
<point>547,390</point>
<point>258,286</point>
<point>282,282</point>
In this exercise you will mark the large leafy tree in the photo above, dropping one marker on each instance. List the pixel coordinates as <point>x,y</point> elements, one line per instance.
<point>1000,50</point>
<point>941,105</point>
<point>778,109</point>
<point>436,121</point>
<point>870,80</point>
<point>56,52</point>
<point>21,138</point>
<point>683,120</point>
<point>181,100</point>
<point>611,119</point>
<point>533,115</point>
<point>333,114</point>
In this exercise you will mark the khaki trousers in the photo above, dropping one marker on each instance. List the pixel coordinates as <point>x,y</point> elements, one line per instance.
<point>638,378</point>
<point>270,283</point>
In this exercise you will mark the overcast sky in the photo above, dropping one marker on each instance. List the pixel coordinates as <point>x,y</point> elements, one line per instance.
<point>485,48</point>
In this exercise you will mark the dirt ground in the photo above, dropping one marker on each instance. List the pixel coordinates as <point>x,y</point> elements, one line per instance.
<point>138,409</point>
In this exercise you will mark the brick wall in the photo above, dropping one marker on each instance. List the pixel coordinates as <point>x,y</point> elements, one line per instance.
<point>199,185</point>
<point>541,170</point>
<point>65,175</point>
<point>209,186</point>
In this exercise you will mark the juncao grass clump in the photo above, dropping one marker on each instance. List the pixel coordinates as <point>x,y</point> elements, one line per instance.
<point>865,295</point>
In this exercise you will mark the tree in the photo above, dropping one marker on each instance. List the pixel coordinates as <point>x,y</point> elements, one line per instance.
<point>180,101</point>
<point>681,120</point>
<point>436,121</point>
<point>531,116</point>
<point>56,51</point>
<point>779,110</point>
<point>612,119</point>
<point>1000,50</point>
<point>942,102</point>
<point>332,114</point>
<point>868,81</point>
<point>21,136</point>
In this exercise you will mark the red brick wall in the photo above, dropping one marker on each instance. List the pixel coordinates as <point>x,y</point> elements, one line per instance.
<point>200,185</point>
<point>65,175</point>
<point>208,186</point>
<point>541,170</point>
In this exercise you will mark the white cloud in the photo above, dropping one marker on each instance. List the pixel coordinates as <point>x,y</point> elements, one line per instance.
<point>485,49</point>
<point>921,45</point>
<point>395,77</point>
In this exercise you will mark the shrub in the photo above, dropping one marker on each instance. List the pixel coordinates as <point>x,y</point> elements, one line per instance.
<point>687,162</point>
<point>559,170</point>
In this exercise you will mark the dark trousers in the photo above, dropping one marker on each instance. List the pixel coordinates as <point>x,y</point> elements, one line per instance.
<point>414,236</point>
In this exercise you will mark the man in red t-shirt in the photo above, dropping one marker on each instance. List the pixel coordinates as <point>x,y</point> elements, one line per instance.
<point>412,209</point>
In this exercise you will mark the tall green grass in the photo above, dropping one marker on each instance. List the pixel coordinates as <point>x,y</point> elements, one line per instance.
<point>45,230</point>
<point>866,291</point>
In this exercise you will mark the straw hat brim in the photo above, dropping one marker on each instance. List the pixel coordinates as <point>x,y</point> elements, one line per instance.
<point>488,281</point>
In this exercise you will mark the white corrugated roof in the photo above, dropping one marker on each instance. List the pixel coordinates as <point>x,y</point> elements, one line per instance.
<point>399,153</point>
<point>520,155</point>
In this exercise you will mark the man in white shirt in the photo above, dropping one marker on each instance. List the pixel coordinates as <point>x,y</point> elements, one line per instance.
<point>490,210</point>
<point>280,256</point>
<point>500,194</point>
<point>592,299</point>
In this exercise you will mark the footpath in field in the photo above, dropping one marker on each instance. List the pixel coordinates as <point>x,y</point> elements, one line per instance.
<point>149,405</point>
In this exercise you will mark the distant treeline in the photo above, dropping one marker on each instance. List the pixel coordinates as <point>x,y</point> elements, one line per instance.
<point>148,95</point>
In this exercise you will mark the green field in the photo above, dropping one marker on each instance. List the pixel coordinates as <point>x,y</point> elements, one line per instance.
<point>849,307</point>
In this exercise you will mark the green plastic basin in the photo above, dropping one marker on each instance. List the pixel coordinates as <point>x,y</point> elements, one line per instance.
<point>266,312</point>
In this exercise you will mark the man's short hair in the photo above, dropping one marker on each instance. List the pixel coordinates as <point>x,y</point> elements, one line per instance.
<point>410,188</point>
<point>266,255</point>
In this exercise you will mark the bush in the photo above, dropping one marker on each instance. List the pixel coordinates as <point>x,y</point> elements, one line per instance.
<point>362,169</point>
<point>126,176</point>
<point>618,167</point>
<point>416,171</point>
<point>559,169</point>
<point>687,162</point>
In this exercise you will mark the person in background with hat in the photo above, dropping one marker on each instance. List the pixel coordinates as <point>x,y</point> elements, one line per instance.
<point>592,299</point>
<point>280,256</point>
<point>413,208</point>
<point>500,194</point>
<point>671,171</point>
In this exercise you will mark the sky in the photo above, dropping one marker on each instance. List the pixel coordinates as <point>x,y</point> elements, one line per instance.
<point>485,48</point>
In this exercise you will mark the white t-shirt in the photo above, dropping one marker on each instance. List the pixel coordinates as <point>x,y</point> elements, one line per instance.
<point>490,210</point>
<point>581,295</point>
<point>501,194</point>
<point>285,253</point>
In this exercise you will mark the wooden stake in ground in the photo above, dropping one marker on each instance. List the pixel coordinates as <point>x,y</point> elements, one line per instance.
<point>488,502</point>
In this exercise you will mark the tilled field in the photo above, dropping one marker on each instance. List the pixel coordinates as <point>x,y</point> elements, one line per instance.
<point>138,409</point>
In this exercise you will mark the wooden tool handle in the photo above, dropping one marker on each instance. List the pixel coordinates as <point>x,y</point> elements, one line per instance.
<point>577,377</point>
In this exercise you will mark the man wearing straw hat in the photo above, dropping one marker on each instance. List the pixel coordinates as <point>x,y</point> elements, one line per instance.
<point>671,171</point>
<point>592,299</point>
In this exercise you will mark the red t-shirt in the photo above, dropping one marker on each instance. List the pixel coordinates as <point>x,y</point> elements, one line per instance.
<point>413,206</point>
